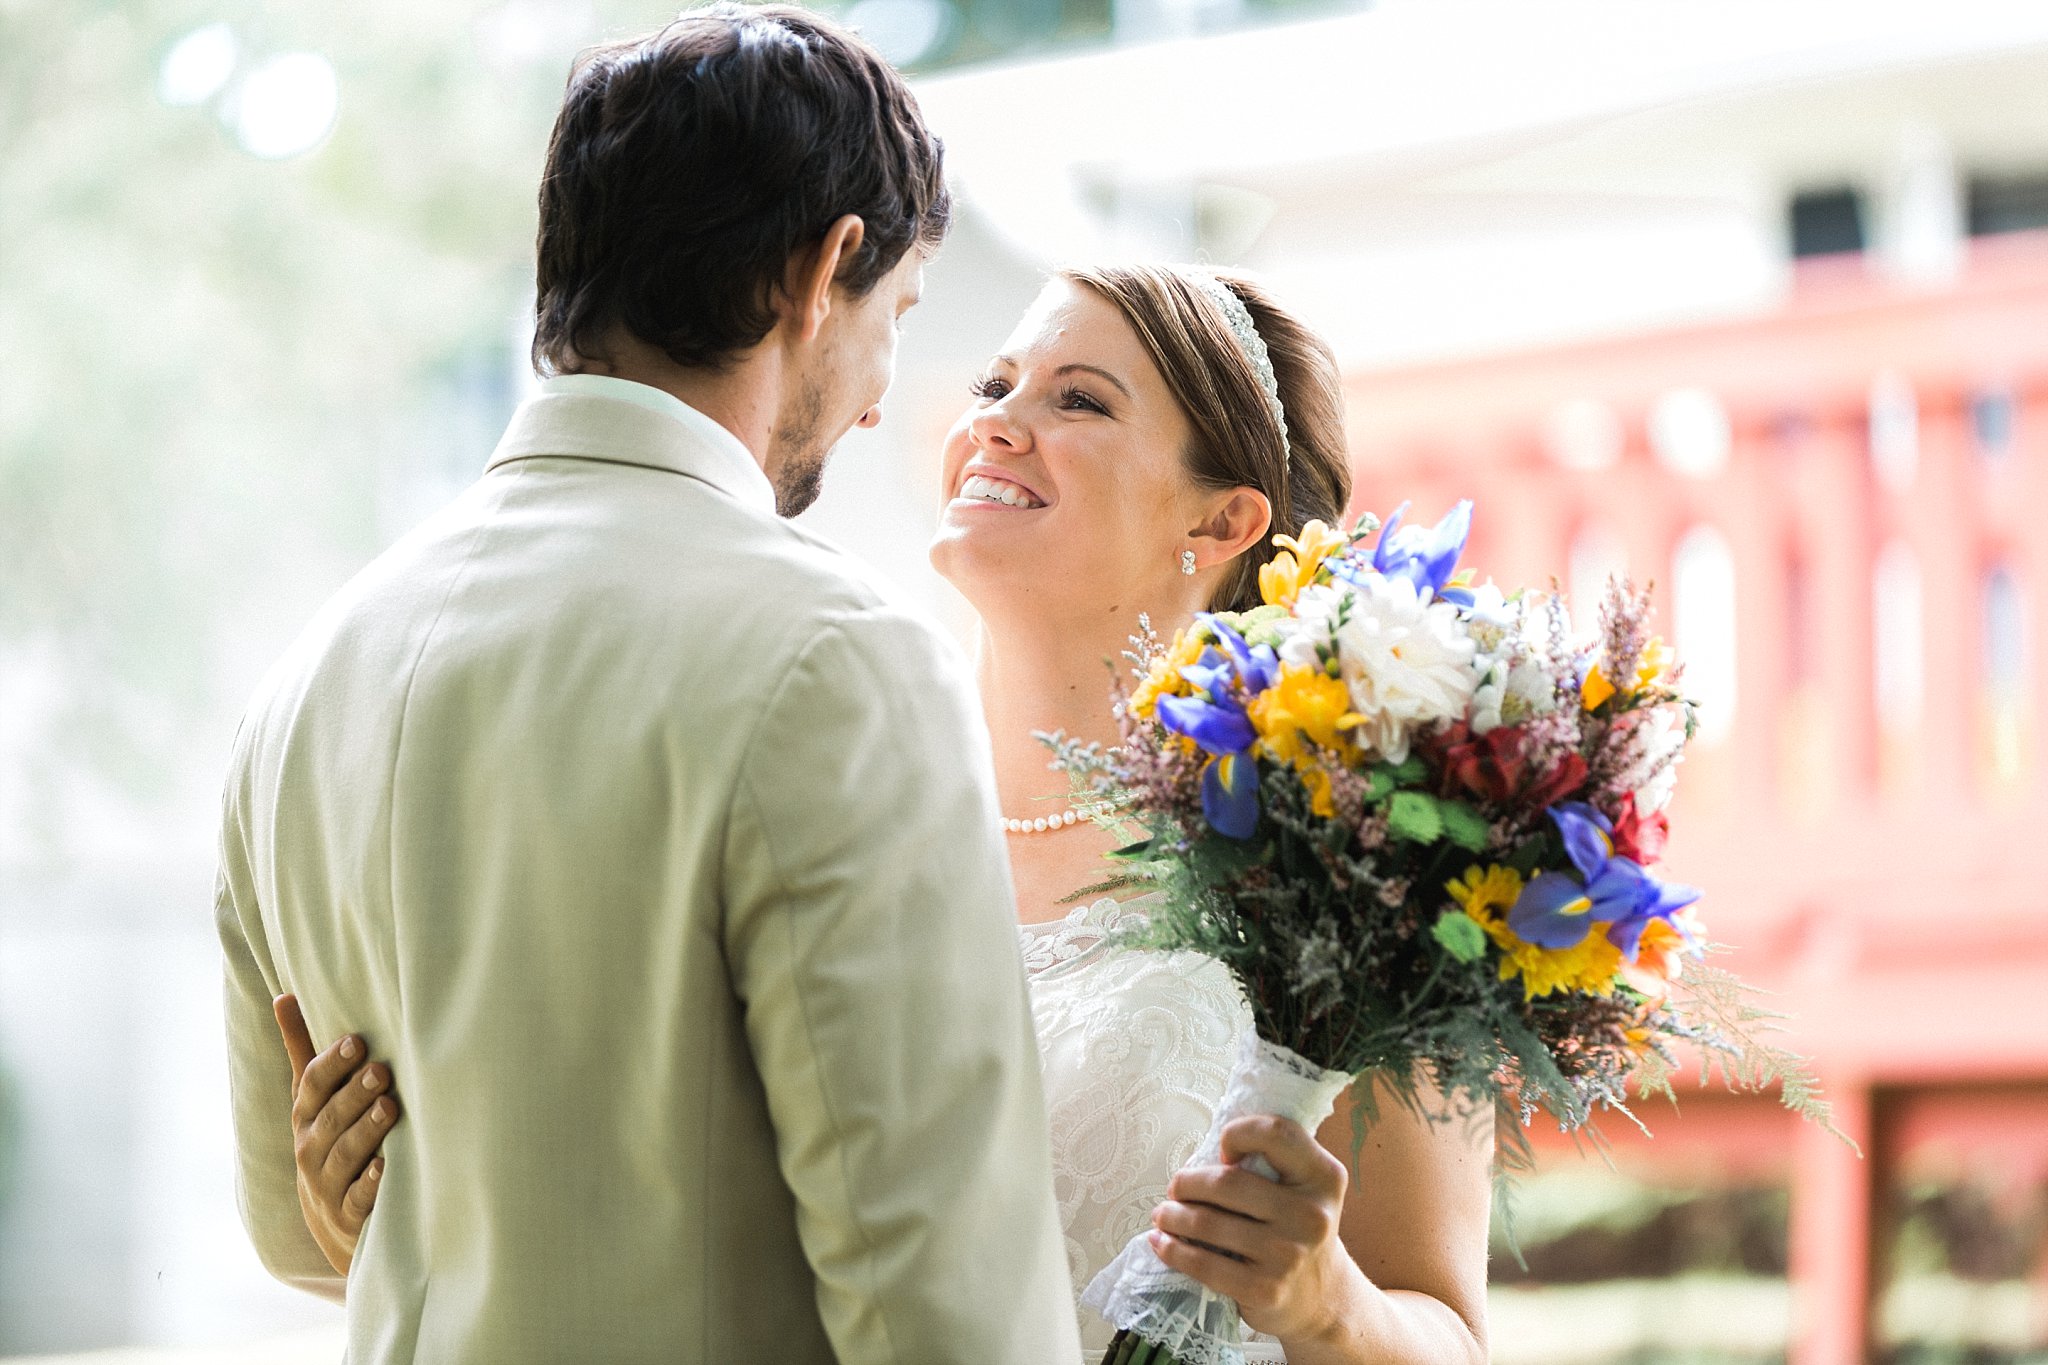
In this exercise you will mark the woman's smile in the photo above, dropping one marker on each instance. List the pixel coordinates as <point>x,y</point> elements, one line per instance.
<point>984,487</point>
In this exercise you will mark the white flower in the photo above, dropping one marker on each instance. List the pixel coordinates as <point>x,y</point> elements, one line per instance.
<point>1311,629</point>
<point>1491,618</point>
<point>1660,748</point>
<point>1407,662</point>
<point>1513,684</point>
<point>1510,693</point>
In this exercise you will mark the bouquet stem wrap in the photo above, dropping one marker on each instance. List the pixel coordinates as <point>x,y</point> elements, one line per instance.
<point>1137,1291</point>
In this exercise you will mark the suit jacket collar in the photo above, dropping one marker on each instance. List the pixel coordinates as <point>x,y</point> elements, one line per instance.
<point>594,417</point>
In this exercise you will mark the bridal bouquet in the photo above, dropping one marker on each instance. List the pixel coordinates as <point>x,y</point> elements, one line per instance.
<point>1420,821</point>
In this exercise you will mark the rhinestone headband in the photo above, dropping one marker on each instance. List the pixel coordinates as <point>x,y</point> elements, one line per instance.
<point>1254,345</point>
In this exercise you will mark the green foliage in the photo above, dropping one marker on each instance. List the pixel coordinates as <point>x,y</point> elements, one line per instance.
<point>1259,625</point>
<point>1305,924</point>
<point>1424,819</point>
<point>1413,816</point>
<point>1460,936</point>
<point>1732,1025</point>
<point>1464,826</point>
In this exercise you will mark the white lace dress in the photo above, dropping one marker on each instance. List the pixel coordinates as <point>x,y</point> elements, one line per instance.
<point>1136,1048</point>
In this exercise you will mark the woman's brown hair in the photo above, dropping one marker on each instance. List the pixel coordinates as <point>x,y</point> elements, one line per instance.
<point>1236,442</point>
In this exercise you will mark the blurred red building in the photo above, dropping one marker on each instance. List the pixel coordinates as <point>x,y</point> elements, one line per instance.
<point>1842,506</point>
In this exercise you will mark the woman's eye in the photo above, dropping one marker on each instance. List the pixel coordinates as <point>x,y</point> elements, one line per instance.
<point>988,388</point>
<point>1074,398</point>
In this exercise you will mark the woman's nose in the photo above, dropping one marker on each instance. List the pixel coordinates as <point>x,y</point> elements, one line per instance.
<point>871,418</point>
<point>992,429</point>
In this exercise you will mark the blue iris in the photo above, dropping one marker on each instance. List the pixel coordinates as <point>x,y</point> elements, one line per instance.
<point>1215,720</point>
<point>1558,910</point>
<point>1425,558</point>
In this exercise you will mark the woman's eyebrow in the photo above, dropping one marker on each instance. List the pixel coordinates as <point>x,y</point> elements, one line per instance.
<point>1098,371</point>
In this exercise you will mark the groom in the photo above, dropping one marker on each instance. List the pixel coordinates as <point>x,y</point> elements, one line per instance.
<point>650,842</point>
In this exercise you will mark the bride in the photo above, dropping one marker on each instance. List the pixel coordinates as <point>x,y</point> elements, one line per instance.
<point>1144,433</point>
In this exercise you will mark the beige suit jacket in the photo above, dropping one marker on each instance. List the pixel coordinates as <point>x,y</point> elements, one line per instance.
<point>658,853</point>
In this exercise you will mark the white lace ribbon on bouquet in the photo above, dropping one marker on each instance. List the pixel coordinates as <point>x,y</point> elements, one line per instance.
<point>1137,1291</point>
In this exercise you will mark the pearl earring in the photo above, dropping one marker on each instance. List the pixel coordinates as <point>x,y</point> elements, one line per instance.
<point>1187,562</point>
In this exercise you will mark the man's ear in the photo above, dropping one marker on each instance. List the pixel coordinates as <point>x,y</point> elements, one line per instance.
<point>1234,523</point>
<point>807,283</point>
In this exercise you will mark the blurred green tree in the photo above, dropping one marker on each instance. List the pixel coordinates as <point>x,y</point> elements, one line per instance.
<point>215,368</point>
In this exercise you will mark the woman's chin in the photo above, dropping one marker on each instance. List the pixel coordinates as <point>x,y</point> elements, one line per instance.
<point>979,529</point>
<point>991,566</point>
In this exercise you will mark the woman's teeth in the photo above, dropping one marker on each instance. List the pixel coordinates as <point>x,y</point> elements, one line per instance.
<point>995,490</point>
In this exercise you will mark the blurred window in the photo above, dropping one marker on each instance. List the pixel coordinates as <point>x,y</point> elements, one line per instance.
<point>1827,222</point>
<point>2007,203</point>
<point>2004,618</point>
<point>1894,431</point>
<point>1899,628</point>
<point>1691,432</point>
<point>1993,419</point>
<point>1802,624</point>
<point>1703,618</point>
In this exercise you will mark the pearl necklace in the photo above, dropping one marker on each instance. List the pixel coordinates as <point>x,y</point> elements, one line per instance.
<point>1045,823</point>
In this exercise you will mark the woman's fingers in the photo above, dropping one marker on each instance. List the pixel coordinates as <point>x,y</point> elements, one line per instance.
<point>1219,1272</point>
<point>1296,1213</point>
<point>326,1076</point>
<point>1232,1188</point>
<point>341,1111</point>
<point>298,1039</point>
<point>361,1198</point>
<point>350,1156</point>
<point>1294,1152</point>
<point>1223,1232</point>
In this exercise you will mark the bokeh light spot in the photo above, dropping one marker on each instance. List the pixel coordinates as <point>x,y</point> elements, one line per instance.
<point>197,66</point>
<point>286,106</point>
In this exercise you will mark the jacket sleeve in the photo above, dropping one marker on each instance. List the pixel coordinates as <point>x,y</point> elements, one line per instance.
<point>260,1087</point>
<point>871,933</point>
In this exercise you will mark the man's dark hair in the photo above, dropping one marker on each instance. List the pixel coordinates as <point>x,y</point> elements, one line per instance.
<point>687,167</point>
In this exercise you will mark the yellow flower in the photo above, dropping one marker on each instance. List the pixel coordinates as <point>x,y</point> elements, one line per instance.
<point>1282,578</point>
<point>1596,689</point>
<point>1303,711</point>
<point>1164,677</point>
<point>1589,967</point>
<point>1303,704</point>
<point>1320,800</point>
<point>1487,894</point>
<point>1655,663</point>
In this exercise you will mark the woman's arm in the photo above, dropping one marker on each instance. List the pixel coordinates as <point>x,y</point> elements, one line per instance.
<point>340,1114</point>
<point>1384,1264</point>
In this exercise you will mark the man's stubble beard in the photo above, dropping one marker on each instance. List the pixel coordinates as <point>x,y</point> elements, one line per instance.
<point>800,456</point>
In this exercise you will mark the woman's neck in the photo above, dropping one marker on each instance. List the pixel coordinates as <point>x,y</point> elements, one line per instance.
<point>1041,674</point>
<point>1034,680</point>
